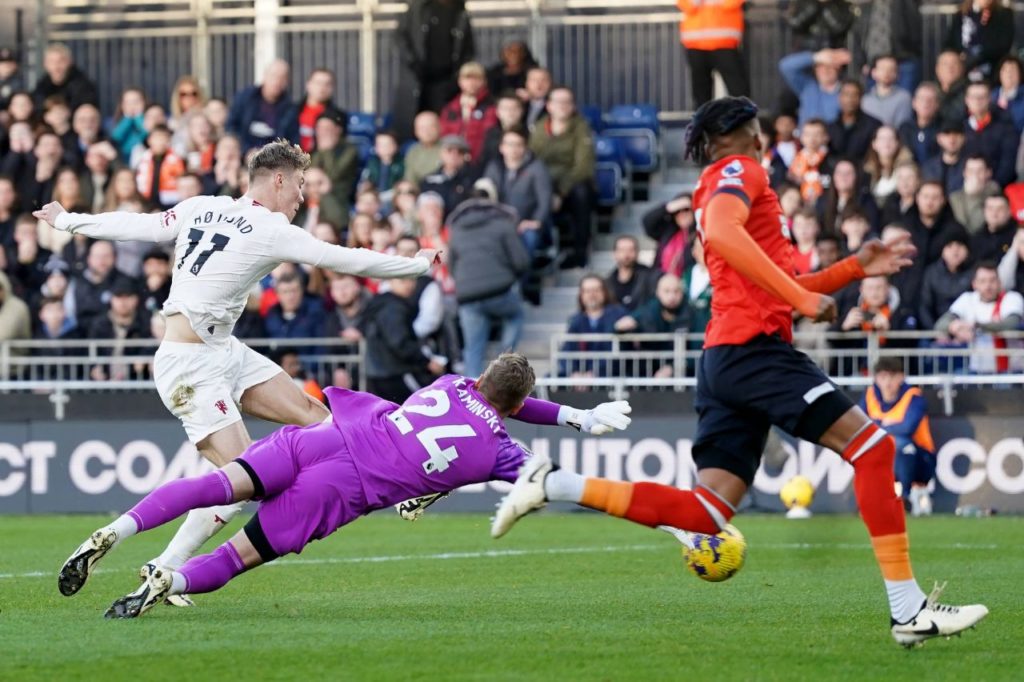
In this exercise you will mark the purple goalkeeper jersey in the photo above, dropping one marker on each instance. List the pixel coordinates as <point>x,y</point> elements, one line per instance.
<point>443,437</point>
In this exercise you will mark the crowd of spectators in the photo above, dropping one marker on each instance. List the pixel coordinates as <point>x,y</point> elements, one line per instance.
<point>866,143</point>
<point>495,167</point>
<point>475,159</point>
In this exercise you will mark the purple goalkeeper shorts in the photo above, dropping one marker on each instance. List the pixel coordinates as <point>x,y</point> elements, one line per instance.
<point>310,486</point>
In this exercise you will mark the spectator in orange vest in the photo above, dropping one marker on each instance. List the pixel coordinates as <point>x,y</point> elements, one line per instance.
<point>159,169</point>
<point>711,32</point>
<point>903,412</point>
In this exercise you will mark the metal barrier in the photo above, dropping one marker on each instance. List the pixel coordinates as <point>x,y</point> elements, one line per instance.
<point>610,51</point>
<point>107,365</point>
<point>668,361</point>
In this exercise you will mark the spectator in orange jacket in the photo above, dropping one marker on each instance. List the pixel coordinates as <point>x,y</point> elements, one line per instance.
<point>711,32</point>
<point>471,113</point>
<point>159,169</point>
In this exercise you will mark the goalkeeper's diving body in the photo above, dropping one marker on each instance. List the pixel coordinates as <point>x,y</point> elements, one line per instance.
<point>205,376</point>
<point>750,378</point>
<point>311,481</point>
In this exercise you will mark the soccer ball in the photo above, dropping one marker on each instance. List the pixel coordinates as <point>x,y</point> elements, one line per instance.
<point>798,492</point>
<point>716,557</point>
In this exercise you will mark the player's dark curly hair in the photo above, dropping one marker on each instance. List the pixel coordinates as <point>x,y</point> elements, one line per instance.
<point>717,117</point>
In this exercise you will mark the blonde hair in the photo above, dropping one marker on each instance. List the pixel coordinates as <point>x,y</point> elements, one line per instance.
<point>507,381</point>
<point>191,80</point>
<point>279,155</point>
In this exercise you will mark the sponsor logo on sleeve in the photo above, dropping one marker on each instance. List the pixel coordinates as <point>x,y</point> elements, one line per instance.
<point>168,217</point>
<point>733,169</point>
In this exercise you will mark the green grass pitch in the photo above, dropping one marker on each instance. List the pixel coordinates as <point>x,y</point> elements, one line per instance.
<point>563,597</point>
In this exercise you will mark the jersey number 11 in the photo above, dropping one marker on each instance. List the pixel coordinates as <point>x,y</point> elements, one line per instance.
<point>194,237</point>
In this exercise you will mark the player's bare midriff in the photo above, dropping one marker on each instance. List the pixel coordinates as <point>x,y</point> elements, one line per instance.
<point>179,330</point>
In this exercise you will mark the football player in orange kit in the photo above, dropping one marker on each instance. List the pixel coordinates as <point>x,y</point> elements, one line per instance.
<point>750,378</point>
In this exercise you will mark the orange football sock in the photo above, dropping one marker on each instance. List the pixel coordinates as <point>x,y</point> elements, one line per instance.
<point>612,497</point>
<point>653,505</point>
<point>872,452</point>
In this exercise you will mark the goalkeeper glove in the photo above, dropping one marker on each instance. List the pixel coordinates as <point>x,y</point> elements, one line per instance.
<point>604,418</point>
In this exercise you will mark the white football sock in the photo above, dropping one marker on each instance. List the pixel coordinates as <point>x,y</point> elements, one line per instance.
<point>905,599</point>
<point>564,486</point>
<point>124,526</point>
<point>200,525</point>
<point>178,583</point>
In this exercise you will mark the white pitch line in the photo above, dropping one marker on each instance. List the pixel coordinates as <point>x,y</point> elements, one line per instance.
<point>501,553</point>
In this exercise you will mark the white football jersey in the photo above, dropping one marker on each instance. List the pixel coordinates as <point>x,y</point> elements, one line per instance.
<point>223,248</point>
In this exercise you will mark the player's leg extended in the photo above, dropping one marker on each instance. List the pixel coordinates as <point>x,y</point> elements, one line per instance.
<point>200,574</point>
<point>270,469</point>
<point>706,509</point>
<point>280,400</point>
<point>220,448</point>
<point>164,504</point>
<point>872,451</point>
<point>262,390</point>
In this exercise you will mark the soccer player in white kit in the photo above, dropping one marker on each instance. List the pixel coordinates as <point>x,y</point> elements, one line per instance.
<point>205,376</point>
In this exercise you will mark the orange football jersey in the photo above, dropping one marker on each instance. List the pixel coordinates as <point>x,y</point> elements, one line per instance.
<point>740,309</point>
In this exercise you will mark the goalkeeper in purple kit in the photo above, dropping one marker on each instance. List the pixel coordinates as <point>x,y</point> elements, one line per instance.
<point>313,480</point>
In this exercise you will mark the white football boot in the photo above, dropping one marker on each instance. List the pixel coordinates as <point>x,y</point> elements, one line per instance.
<point>937,620</point>
<point>153,591</point>
<point>179,600</point>
<point>75,570</point>
<point>527,495</point>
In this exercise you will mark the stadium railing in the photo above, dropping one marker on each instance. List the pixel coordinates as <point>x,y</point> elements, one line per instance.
<point>127,365</point>
<point>222,42</point>
<point>623,362</point>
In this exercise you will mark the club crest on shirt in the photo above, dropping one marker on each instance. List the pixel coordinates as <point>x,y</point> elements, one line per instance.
<point>732,169</point>
<point>222,406</point>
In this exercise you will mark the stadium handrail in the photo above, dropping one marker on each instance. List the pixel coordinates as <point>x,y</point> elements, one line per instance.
<point>41,365</point>
<point>36,362</point>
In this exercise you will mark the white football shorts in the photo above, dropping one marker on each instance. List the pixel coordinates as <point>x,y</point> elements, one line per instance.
<point>202,385</point>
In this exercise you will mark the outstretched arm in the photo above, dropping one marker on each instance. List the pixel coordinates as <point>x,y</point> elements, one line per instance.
<point>298,246</point>
<point>724,223</point>
<point>118,225</point>
<point>602,419</point>
<point>874,258</point>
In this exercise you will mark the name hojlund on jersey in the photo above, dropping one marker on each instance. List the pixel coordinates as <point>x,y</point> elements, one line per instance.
<point>240,223</point>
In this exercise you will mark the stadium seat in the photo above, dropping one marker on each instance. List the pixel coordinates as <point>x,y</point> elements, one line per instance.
<point>362,128</point>
<point>610,170</point>
<point>637,127</point>
<point>609,150</point>
<point>593,116</point>
<point>362,124</point>
<point>364,145</point>
<point>633,116</point>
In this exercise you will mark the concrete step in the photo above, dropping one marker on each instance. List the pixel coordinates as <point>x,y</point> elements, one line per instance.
<point>541,332</point>
<point>534,348</point>
<point>550,314</point>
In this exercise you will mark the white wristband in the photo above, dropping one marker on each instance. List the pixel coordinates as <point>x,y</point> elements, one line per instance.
<point>570,416</point>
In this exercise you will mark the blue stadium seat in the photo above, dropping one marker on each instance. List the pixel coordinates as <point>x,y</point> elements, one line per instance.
<point>610,170</point>
<point>364,145</point>
<point>592,114</point>
<point>633,116</point>
<point>362,124</point>
<point>637,128</point>
<point>610,150</point>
